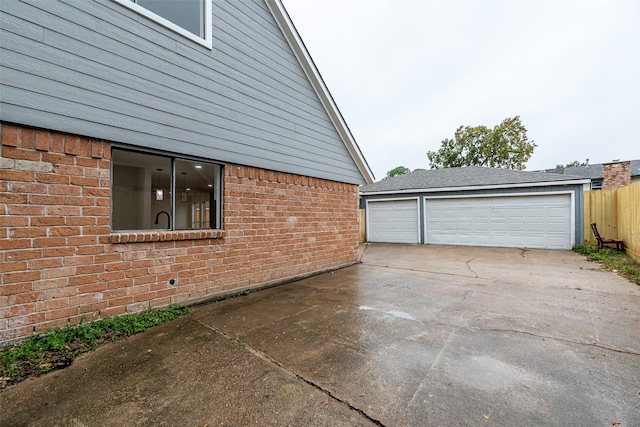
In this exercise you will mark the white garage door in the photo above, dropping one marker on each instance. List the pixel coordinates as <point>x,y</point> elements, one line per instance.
<point>542,222</point>
<point>393,221</point>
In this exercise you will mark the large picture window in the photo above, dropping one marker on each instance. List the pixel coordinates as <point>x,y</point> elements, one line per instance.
<point>154,192</point>
<point>191,18</point>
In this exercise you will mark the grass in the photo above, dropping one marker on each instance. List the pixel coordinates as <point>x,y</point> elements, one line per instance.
<point>612,260</point>
<point>57,348</point>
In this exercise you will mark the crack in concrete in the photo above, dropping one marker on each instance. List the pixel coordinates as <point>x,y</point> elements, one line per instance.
<point>595,330</point>
<point>265,357</point>
<point>466,294</point>
<point>491,280</point>
<point>432,367</point>
<point>470,269</point>
<point>592,344</point>
<point>420,270</point>
<point>513,330</point>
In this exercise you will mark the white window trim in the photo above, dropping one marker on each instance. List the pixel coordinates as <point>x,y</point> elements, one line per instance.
<point>598,185</point>
<point>207,41</point>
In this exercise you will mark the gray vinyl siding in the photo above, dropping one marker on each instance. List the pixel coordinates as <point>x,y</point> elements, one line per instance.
<point>98,69</point>
<point>577,191</point>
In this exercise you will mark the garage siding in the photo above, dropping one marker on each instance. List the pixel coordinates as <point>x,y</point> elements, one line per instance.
<point>534,221</point>
<point>393,221</point>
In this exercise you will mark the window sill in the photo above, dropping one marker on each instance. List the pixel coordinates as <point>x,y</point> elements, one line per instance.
<point>165,236</point>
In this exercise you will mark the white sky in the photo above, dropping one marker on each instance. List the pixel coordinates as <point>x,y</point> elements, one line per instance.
<point>407,73</point>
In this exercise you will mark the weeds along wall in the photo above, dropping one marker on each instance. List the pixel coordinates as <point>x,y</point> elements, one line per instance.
<point>59,260</point>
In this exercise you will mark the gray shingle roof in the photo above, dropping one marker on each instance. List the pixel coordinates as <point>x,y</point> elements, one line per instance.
<point>469,176</point>
<point>594,171</point>
<point>591,171</point>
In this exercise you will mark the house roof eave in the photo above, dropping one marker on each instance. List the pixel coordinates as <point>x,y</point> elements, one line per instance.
<point>304,58</point>
<point>477,187</point>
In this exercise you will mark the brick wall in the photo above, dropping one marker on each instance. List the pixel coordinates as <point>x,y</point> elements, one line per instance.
<point>58,259</point>
<point>616,175</point>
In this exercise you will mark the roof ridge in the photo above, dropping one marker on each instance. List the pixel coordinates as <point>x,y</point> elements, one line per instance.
<point>474,176</point>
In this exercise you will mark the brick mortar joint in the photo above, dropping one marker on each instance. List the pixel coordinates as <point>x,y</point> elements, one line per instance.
<point>165,236</point>
<point>265,175</point>
<point>329,186</point>
<point>11,139</point>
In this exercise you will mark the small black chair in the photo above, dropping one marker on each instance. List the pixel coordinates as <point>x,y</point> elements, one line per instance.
<point>603,241</point>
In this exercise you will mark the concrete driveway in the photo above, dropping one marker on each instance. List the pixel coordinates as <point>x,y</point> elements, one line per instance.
<point>413,336</point>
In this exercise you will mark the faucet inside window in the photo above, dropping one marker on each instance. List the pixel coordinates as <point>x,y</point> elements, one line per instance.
<point>168,218</point>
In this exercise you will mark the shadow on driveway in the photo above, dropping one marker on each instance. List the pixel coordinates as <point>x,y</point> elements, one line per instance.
<point>412,336</point>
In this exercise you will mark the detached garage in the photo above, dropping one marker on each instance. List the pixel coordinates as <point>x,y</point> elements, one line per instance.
<point>476,206</point>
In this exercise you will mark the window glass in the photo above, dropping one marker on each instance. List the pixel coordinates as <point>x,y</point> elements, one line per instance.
<point>195,191</point>
<point>188,14</point>
<point>136,180</point>
<point>152,192</point>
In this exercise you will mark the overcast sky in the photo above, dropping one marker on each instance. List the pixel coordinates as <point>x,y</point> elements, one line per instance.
<point>407,73</point>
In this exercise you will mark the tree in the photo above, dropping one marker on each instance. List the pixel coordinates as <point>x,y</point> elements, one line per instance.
<point>505,146</point>
<point>572,164</point>
<point>399,170</point>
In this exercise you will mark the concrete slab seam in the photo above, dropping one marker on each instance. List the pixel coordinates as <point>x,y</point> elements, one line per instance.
<point>292,374</point>
<point>490,280</point>
<point>592,344</point>
<point>432,367</point>
<point>361,255</point>
<point>369,264</point>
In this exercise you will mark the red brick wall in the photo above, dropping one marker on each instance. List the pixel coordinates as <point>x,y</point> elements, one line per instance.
<point>616,175</point>
<point>58,262</point>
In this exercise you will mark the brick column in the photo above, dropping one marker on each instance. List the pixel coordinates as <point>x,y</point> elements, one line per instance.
<point>616,175</point>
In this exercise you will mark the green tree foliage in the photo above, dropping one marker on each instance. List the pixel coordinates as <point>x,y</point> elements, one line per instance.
<point>571,164</point>
<point>505,146</point>
<point>399,170</point>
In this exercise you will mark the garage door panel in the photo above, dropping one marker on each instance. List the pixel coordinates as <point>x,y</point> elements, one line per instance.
<point>495,212</point>
<point>393,221</point>
<point>513,221</point>
<point>482,240</point>
<point>556,227</point>
<point>498,225</point>
<point>483,222</point>
<point>517,228</point>
<point>465,227</point>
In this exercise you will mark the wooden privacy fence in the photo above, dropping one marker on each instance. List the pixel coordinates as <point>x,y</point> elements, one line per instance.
<point>363,225</point>
<point>617,214</point>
